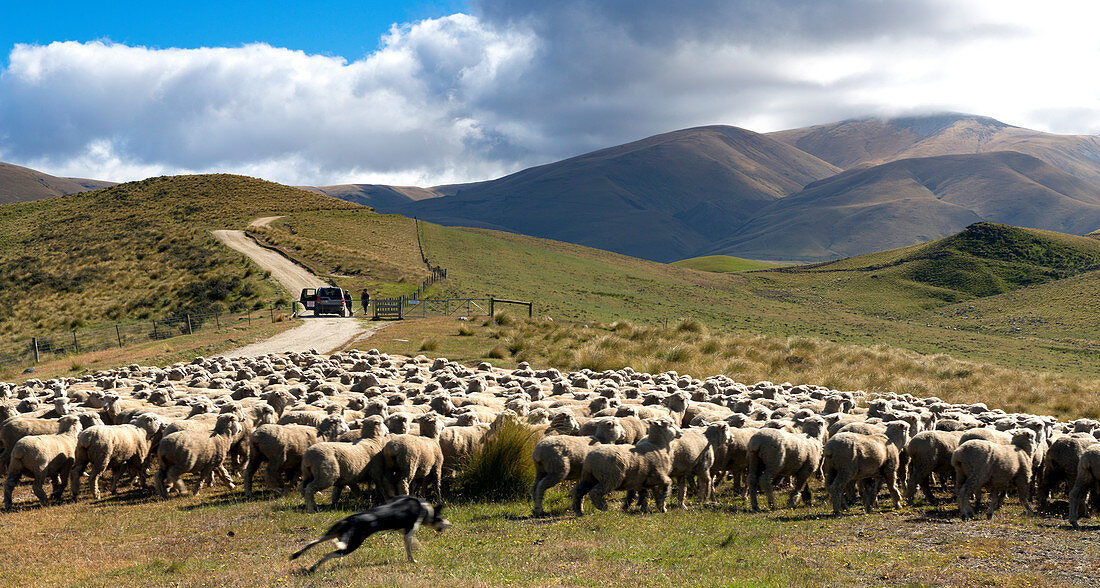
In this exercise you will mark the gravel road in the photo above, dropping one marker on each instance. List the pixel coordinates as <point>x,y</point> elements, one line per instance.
<point>323,334</point>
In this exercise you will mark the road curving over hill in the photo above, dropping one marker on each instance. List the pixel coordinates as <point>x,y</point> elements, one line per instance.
<point>323,334</point>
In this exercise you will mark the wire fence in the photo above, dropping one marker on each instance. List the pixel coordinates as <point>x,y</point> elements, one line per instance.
<point>40,347</point>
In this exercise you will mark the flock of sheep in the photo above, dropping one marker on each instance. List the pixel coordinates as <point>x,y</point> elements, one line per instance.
<point>399,425</point>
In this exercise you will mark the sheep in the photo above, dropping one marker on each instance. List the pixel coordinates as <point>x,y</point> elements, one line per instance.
<point>852,458</point>
<point>642,467</point>
<point>773,453</point>
<point>119,448</point>
<point>411,462</point>
<point>561,457</point>
<point>929,453</point>
<point>980,463</point>
<point>458,443</point>
<point>1087,481</point>
<point>282,447</point>
<point>199,451</point>
<point>15,428</point>
<point>336,465</point>
<point>692,456</point>
<point>44,457</point>
<point>1060,464</point>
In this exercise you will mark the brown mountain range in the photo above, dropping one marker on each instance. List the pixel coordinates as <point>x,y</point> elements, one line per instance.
<point>913,200</point>
<point>21,184</point>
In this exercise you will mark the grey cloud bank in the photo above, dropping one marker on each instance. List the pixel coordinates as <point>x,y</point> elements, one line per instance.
<point>470,97</point>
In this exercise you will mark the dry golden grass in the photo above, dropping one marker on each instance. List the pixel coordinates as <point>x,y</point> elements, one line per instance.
<point>688,347</point>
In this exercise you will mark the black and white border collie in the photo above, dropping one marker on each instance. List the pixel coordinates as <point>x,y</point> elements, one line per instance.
<point>404,513</point>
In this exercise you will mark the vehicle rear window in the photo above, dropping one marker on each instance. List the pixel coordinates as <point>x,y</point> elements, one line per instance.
<point>330,293</point>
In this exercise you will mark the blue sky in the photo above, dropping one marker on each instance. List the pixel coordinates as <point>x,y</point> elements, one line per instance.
<point>475,89</point>
<point>340,28</point>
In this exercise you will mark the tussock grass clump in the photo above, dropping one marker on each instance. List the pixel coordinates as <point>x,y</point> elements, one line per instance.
<point>465,332</point>
<point>498,352</point>
<point>502,319</point>
<point>429,345</point>
<point>502,468</point>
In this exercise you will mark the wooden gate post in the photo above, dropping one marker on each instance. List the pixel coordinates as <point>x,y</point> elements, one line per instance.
<point>35,340</point>
<point>119,335</point>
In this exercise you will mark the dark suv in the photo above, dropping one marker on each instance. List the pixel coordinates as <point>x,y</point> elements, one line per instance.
<point>330,300</point>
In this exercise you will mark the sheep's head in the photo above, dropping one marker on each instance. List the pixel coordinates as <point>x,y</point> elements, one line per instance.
<point>1023,440</point>
<point>898,433</point>
<point>70,423</point>
<point>229,424</point>
<point>332,427</point>
<point>431,425</point>
<point>565,423</point>
<point>399,423</point>
<point>609,430</point>
<point>374,427</point>
<point>150,423</point>
<point>661,431</point>
<point>814,428</point>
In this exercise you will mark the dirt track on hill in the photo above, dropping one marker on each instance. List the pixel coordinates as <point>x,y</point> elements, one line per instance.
<point>323,334</point>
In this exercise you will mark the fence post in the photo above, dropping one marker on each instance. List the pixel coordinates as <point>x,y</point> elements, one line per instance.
<point>76,344</point>
<point>119,335</point>
<point>218,320</point>
<point>190,331</point>
<point>156,335</point>
<point>273,313</point>
<point>35,340</point>
<point>491,311</point>
<point>530,309</point>
<point>250,316</point>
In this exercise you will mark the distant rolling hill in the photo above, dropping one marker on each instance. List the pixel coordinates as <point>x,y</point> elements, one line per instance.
<point>915,200</point>
<point>871,141</point>
<point>22,184</point>
<point>723,263</point>
<point>662,198</point>
<point>376,195</point>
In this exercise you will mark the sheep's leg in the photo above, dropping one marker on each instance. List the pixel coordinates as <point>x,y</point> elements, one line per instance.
<point>39,491</point>
<point>643,500</point>
<point>892,486</point>
<point>224,475</point>
<point>598,495</point>
<point>1077,497</point>
<point>74,480</point>
<point>337,491</point>
<point>867,494</point>
<point>273,475</point>
<point>916,479</point>
<point>94,474</point>
<point>837,487</point>
<point>681,492</point>
<point>995,501</point>
<point>250,472</point>
<point>541,485</point>
<point>309,493</point>
<point>9,485</point>
<point>1023,488</point>
<point>119,471</point>
<point>660,495</point>
<point>962,491</point>
<point>628,499</point>
<point>798,482</point>
<point>579,491</point>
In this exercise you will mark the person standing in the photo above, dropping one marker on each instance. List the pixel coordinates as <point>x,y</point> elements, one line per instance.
<point>365,298</point>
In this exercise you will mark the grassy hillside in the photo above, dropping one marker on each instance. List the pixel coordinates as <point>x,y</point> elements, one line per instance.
<point>21,184</point>
<point>133,251</point>
<point>723,263</point>
<point>355,249</point>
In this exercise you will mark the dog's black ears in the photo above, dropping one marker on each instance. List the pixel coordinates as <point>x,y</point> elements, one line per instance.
<point>438,507</point>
